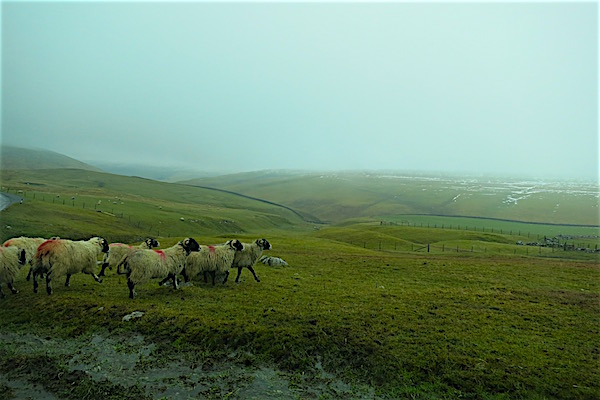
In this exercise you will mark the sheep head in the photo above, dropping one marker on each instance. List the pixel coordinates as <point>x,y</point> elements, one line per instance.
<point>101,242</point>
<point>151,243</point>
<point>235,244</point>
<point>264,244</point>
<point>190,245</point>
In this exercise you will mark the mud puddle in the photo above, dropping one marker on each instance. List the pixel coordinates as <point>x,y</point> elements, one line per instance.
<point>131,364</point>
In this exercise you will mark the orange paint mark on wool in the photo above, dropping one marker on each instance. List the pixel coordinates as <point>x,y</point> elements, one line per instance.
<point>161,254</point>
<point>120,245</point>
<point>46,246</point>
<point>211,249</point>
<point>8,243</point>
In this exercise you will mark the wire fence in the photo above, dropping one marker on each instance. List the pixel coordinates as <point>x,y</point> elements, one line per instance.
<point>541,245</point>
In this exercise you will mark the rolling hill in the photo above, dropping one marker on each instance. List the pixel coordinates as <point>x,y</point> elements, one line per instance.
<point>315,197</point>
<point>335,197</point>
<point>78,203</point>
<point>20,158</point>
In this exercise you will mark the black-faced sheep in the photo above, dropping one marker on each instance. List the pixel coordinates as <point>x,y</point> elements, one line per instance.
<point>247,257</point>
<point>120,250</point>
<point>28,244</point>
<point>213,260</point>
<point>143,265</point>
<point>11,260</point>
<point>58,257</point>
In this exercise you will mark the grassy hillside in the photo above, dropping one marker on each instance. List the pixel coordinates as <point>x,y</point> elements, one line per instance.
<point>76,203</point>
<point>362,311</point>
<point>341,322</point>
<point>20,158</point>
<point>335,197</point>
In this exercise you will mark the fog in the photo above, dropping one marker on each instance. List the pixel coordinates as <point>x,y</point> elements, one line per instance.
<point>502,88</point>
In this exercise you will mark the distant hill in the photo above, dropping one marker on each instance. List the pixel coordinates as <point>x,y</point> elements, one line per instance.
<point>158,172</point>
<point>337,196</point>
<point>22,158</point>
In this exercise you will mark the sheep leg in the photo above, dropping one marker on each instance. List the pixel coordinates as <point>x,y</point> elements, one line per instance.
<point>205,277</point>
<point>29,274</point>
<point>96,278</point>
<point>164,280</point>
<point>226,276</point>
<point>67,281</point>
<point>35,282</point>
<point>12,288</point>
<point>175,284</point>
<point>48,287</point>
<point>212,274</point>
<point>237,278</point>
<point>131,285</point>
<point>186,278</point>
<point>104,265</point>
<point>254,273</point>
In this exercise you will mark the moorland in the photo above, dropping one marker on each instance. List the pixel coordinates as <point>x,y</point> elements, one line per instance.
<point>398,286</point>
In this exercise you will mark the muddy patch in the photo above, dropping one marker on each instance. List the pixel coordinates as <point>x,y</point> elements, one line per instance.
<point>34,367</point>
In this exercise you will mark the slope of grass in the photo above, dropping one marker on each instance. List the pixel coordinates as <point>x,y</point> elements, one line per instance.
<point>337,196</point>
<point>406,324</point>
<point>488,324</point>
<point>77,203</point>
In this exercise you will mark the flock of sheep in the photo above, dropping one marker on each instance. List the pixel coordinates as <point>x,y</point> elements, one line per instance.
<point>56,257</point>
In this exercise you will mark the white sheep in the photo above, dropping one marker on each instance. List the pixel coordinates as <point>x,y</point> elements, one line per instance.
<point>11,260</point>
<point>58,257</point>
<point>247,257</point>
<point>273,261</point>
<point>119,250</point>
<point>28,244</point>
<point>142,265</point>
<point>213,260</point>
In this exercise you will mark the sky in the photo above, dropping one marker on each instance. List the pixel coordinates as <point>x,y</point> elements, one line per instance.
<point>478,87</point>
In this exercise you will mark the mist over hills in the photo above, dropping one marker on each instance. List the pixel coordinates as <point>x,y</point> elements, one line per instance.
<point>12,157</point>
<point>337,196</point>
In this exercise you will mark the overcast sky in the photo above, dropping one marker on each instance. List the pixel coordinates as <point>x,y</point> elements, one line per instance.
<point>478,87</point>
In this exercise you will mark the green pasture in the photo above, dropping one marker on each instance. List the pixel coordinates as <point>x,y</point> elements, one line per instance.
<point>477,316</point>
<point>408,325</point>
<point>335,197</point>
<point>129,209</point>
<point>531,231</point>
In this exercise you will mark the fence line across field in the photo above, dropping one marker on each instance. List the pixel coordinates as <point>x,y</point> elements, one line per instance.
<point>378,244</point>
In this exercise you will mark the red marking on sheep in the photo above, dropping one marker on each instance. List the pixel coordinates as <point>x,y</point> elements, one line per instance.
<point>8,243</point>
<point>46,246</point>
<point>161,254</point>
<point>211,249</point>
<point>120,245</point>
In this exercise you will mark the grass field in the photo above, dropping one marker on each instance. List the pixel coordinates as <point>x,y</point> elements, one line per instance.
<point>335,197</point>
<point>363,310</point>
<point>387,324</point>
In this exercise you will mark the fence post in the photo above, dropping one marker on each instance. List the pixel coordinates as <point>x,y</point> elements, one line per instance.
<point>428,247</point>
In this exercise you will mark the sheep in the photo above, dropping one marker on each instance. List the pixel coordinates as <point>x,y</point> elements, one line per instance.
<point>120,250</point>
<point>212,259</point>
<point>11,260</point>
<point>247,257</point>
<point>57,257</point>
<point>273,261</point>
<point>144,264</point>
<point>30,246</point>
